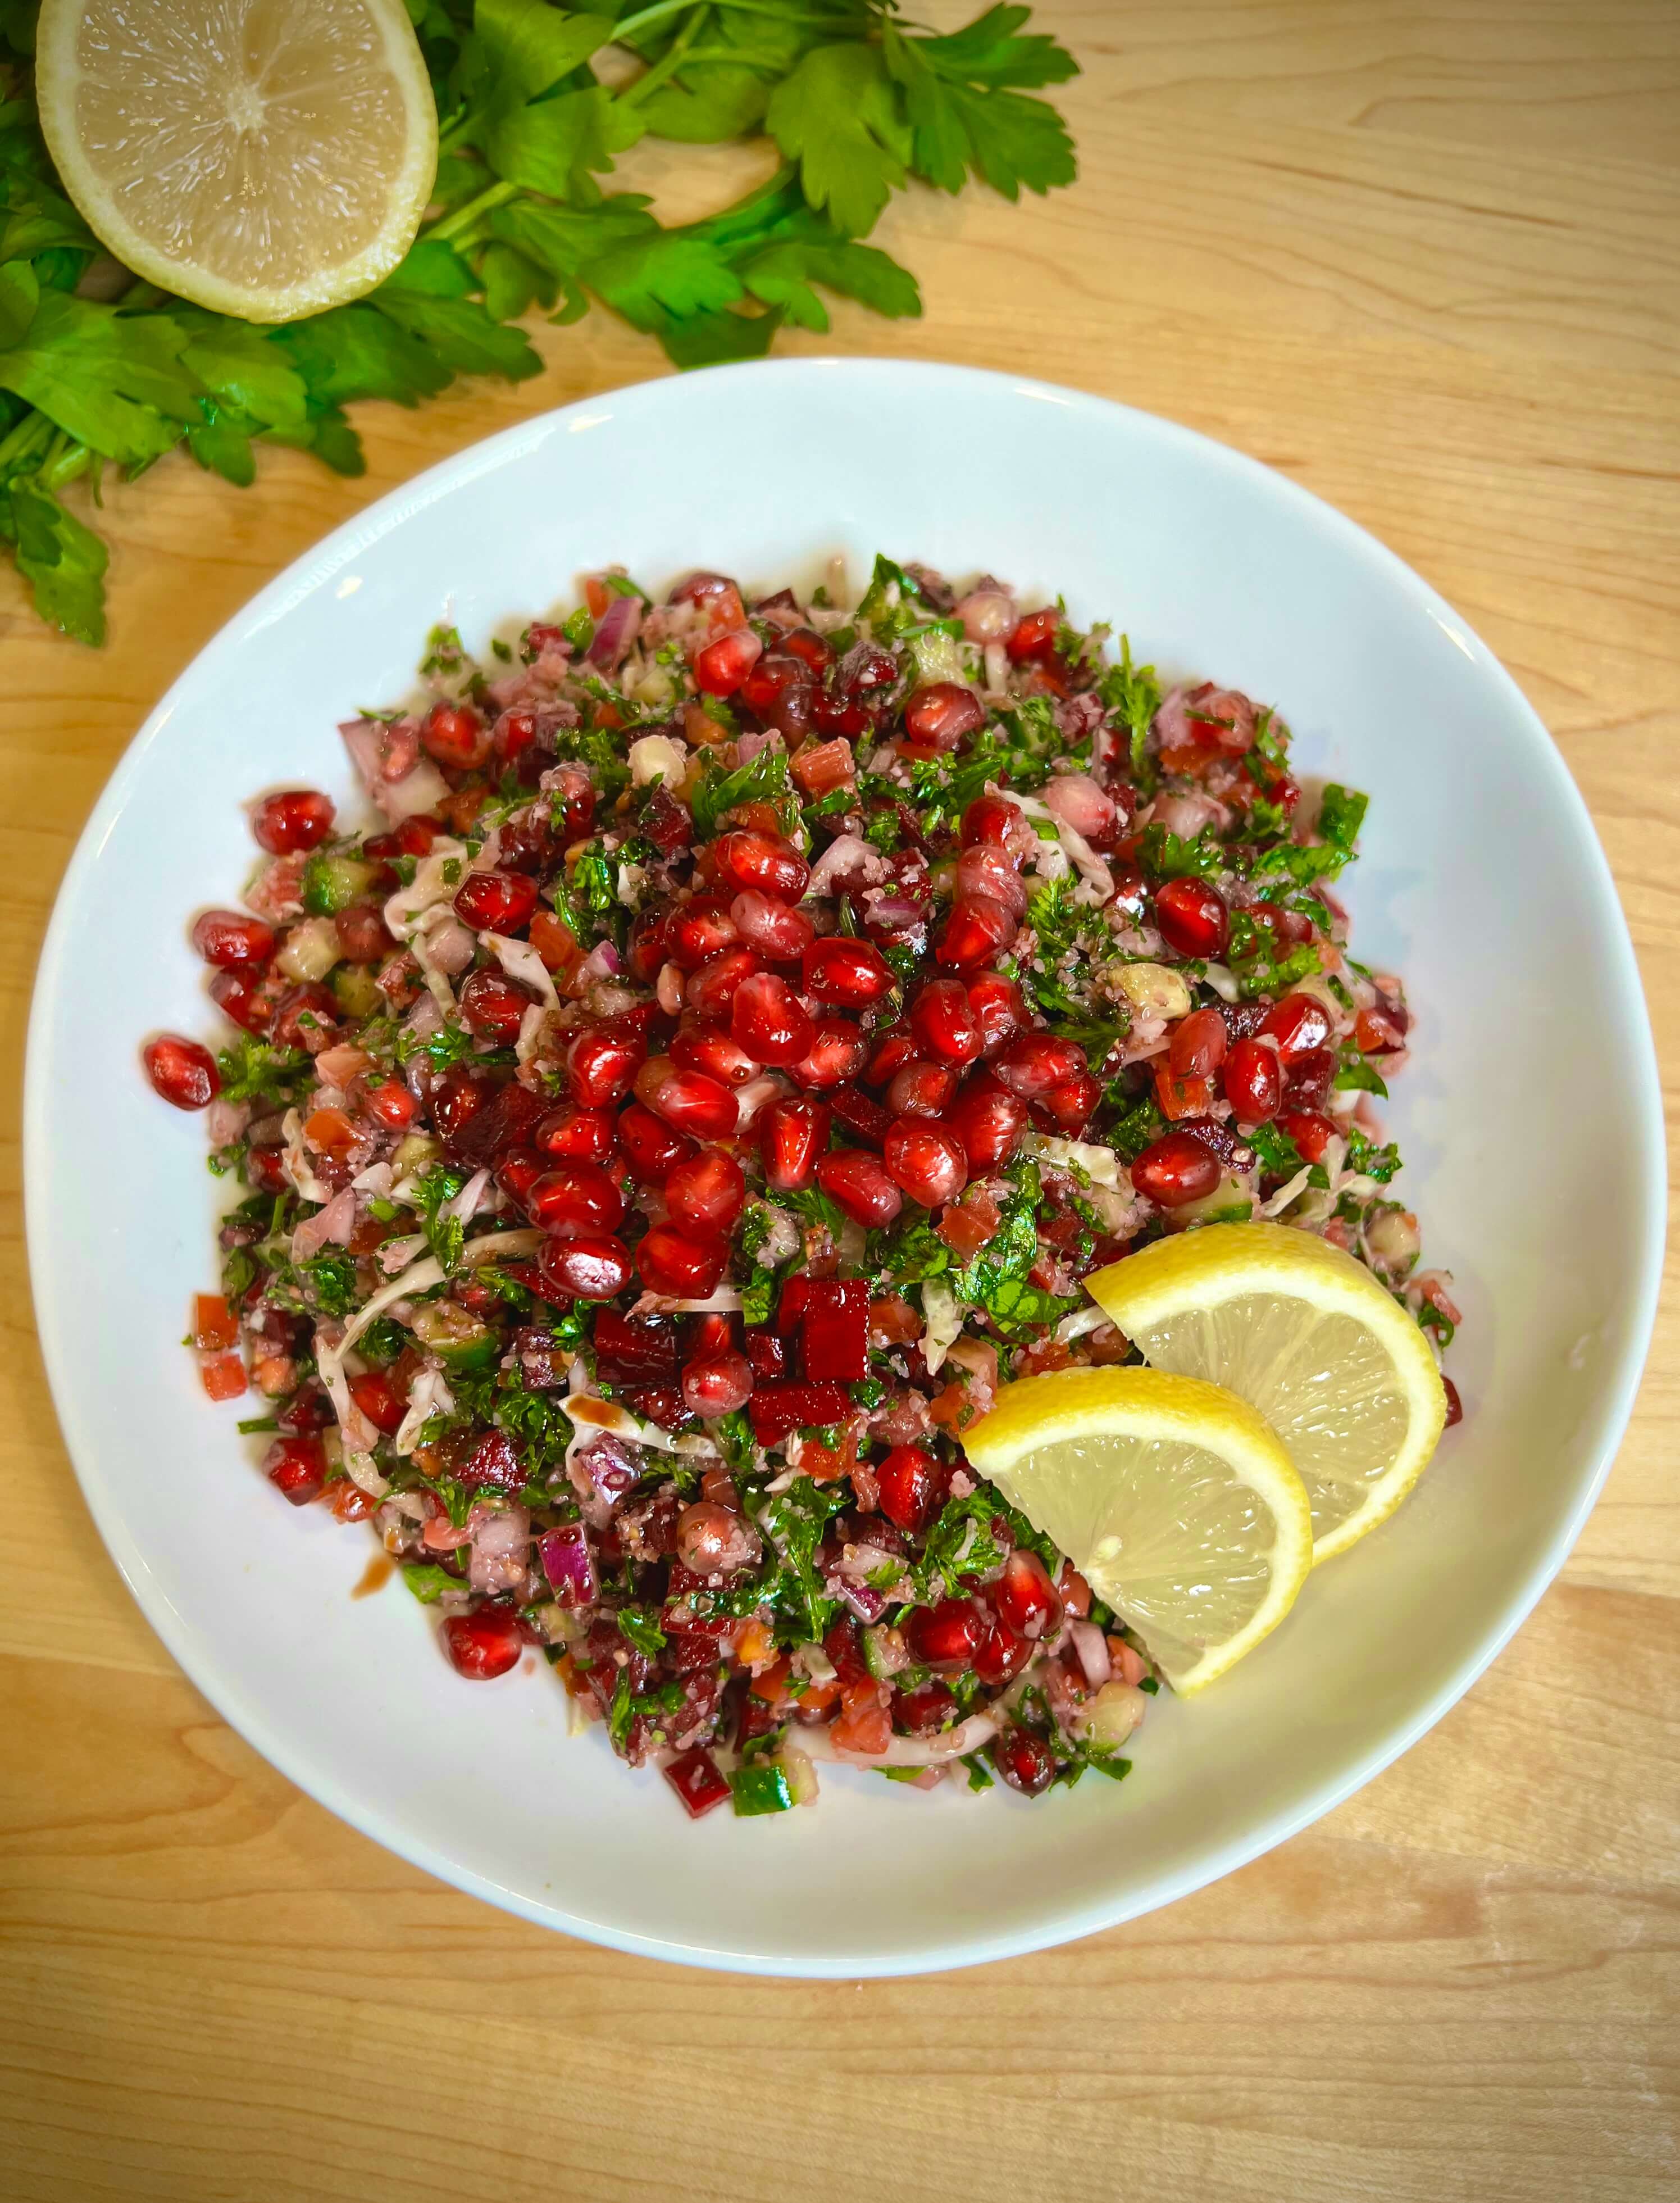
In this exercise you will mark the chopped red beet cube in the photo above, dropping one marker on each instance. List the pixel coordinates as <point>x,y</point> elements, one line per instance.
<point>629,1352</point>
<point>694,1777</point>
<point>835,1330</point>
<point>775,1409</point>
<point>864,1119</point>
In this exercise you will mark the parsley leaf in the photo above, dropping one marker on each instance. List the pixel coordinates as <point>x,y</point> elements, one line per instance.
<point>837,116</point>
<point>253,1070</point>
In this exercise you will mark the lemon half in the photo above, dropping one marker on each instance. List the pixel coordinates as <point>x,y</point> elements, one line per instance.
<point>1172,1497</point>
<point>266,158</point>
<point>1331,1360</point>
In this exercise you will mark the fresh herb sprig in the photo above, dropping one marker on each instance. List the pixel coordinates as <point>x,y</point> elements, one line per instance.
<point>856,102</point>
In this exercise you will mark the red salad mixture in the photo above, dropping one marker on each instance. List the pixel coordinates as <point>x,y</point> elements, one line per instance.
<point>749,1023</point>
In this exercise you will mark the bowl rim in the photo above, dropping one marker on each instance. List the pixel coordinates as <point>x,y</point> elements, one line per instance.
<point>301,579</point>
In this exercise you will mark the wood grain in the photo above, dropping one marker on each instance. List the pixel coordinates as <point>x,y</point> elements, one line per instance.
<point>1424,261</point>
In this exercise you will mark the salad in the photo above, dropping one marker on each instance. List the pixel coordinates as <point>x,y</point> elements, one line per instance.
<point>662,1133</point>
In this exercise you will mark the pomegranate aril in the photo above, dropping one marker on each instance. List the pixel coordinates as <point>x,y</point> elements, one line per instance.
<point>766,863</point>
<point>1024,1761</point>
<point>228,936</point>
<point>939,716</point>
<point>484,1644</point>
<point>716,1385</point>
<point>1311,1131</point>
<point>852,972</point>
<point>1072,1106</point>
<point>791,1134</point>
<point>517,1174</point>
<point>921,1090</point>
<point>574,1196</point>
<point>1037,1063</point>
<point>588,1135</point>
<point>1455,1406</point>
<point>837,1054</point>
<point>372,1394</point>
<point>947,1635</point>
<point>1308,1078</point>
<point>687,1099</point>
<point>456,736</point>
<point>297,818</point>
<point>769,1021</point>
<point>250,1002</point>
<point>706,1194</point>
<point>912,1483</point>
<point>1253,1082</point>
<point>503,1117</point>
<point>772,928</point>
<point>1034,635</point>
<point>988,822</point>
<point>296,1467</point>
<point>493,1007</point>
<point>698,930</point>
<point>1375,1032</point>
<point>1175,1170</point>
<point>494,901</point>
<point>1192,918</point>
<point>591,1265</point>
<point>651,1145</point>
<point>979,926</point>
<point>928,1163</point>
<point>712,988</point>
<point>1299,1023</point>
<point>722,666</point>
<point>681,1267</point>
<point>862,1185</point>
<point>1000,1655</point>
<point>924,1712</point>
<point>1197,1044</point>
<point>943,1022</point>
<point>989,1121</point>
<point>305,1017</point>
<point>716,1055</point>
<point>182,1072</point>
<point>998,1008</point>
<point>1026,1599</point>
<point>362,934</point>
<point>601,1067</point>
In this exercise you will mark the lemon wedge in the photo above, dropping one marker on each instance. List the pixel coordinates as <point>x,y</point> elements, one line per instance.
<point>1170,1497</point>
<point>1308,1335</point>
<point>266,158</point>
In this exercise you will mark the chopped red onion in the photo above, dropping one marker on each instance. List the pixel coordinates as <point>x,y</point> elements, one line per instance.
<point>565,1553</point>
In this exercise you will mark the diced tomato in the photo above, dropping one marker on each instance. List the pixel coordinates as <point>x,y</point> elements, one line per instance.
<point>215,1325</point>
<point>223,1376</point>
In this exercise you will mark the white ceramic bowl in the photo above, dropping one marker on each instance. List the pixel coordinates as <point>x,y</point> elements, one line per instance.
<point>1529,1119</point>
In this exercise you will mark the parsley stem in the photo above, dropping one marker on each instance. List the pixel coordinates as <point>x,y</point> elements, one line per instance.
<point>31,434</point>
<point>464,218</point>
<point>656,14</point>
<point>669,62</point>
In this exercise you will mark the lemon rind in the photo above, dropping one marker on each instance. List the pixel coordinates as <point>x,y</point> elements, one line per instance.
<point>1154,1404</point>
<point>1178,1273</point>
<point>56,77</point>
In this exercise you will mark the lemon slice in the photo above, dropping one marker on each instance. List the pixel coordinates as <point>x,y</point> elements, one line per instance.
<point>266,158</point>
<point>1171,1498</point>
<point>1332,1360</point>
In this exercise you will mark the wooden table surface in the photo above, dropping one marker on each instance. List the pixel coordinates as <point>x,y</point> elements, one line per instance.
<point>1423,260</point>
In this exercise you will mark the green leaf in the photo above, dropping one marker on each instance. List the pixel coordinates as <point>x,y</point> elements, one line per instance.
<point>717,339</point>
<point>528,45</point>
<point>1279,1155</point>
<point>988,52</point>
<point>63,561</point>
<point>1168,856</point>
<point>461,334</point>
<point>19,295</point>
<point>708,103</point>
<point>1368,1160</point>
<point>221,443</point>
<point>243,368</point>
<point>115,382</point>
<point>761,779</point>
<point>1342,813</point>
<point>430,1583</point>
<point>564,239</point>
<point>663,273</point>
<point>512,283</point>
<point>782,274</point>
<point>253,1070</point>
<point>892,604</point>
<point>432,267</point>
<point>357,351</point>
<point>1358,1074</point>
<point>553,145</point>
<point>1008,140</point>
<point>838,116</point>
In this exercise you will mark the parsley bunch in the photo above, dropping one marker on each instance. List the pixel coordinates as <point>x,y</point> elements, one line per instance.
<point>856,102</point>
